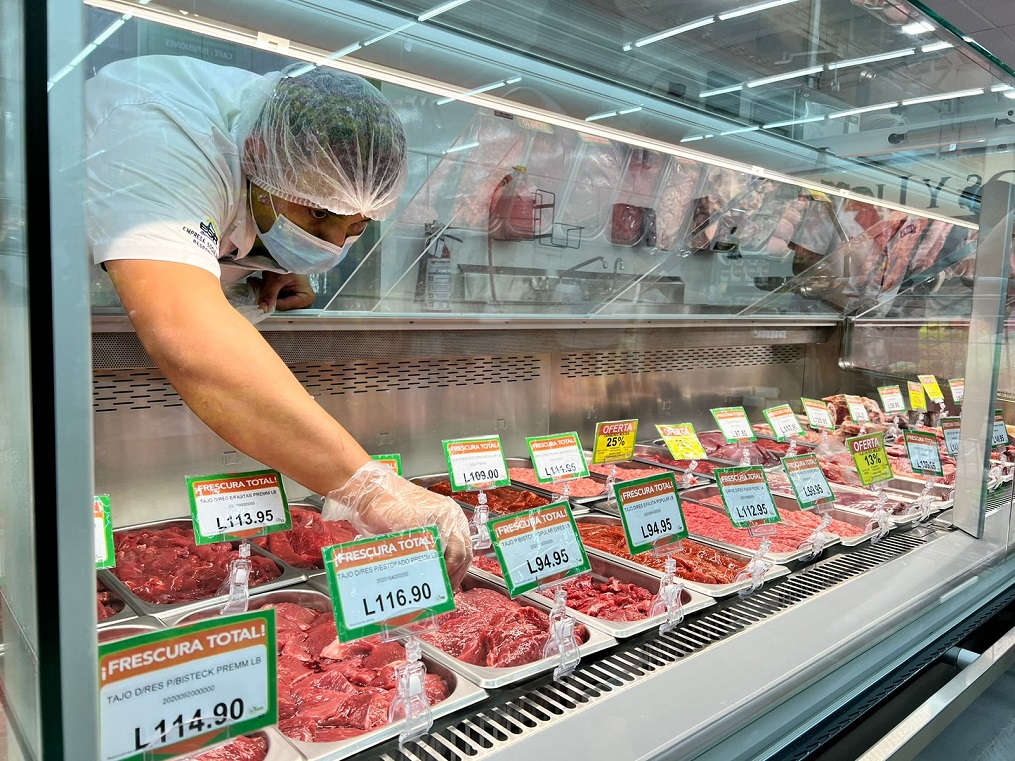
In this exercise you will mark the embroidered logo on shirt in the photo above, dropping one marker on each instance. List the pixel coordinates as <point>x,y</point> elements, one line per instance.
<point>209,230</point>
<point>205,237</point>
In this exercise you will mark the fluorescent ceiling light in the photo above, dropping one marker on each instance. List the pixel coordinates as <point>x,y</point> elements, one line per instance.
<point>438,10</point>
<point>916,27</point>
<point>863,110</point>
<point>871,59</point>
<point>462,147</point>
<point>785,76</point>
<point>753,9</point>
<point>1010,94</point>
<point>1001,88</point>
<point>740,130</point>
<point>304,68</point>
<point>792,122</point>
<point>478,90</point>
<point>692,138</point>
<point>942,96</point>
<point>933,46</point>
<point>721,91</point>
<point>387,34</point>
<point>672,32</point>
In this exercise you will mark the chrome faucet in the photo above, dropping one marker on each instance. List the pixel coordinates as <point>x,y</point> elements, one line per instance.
<point>570,270</point>
<point>618,267</point>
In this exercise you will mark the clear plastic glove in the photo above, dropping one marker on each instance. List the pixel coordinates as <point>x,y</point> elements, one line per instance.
<point>375,500</point>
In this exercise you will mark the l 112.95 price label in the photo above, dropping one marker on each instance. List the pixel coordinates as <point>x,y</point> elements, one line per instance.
<point>102,520</point>
<point>999,436</point>
<point>871,459</point>
<point>538,547</point>
<point>808,481</point>
<point>614,441</point>
<point>783,421</point>
<point>733,423</point>
<point>176,691</point>
<point>651,513</point>
<point>476,463</point>
<point>557,458</point>
<point>924,456</point>
<point>387,582</point>
<point>746,495</point>
<point>237,505</point>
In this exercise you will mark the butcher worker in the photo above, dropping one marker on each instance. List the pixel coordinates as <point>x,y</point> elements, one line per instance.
<point>199,175</point>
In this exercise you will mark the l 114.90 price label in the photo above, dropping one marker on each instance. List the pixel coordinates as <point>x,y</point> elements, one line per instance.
<point>871,458</point>
<point>951,428</point>
<point>614,441</point>
<point>538,547</point>
<point>387,582</point>
<point>476,463</point>
<point>237,505</point>
<point>557,458</point>
<point>999,437</point>
<point>733,423</point>
<point>682,441</point>
<point>102,520</point>
<point>891,398</point>
<point>651,513</point>
<point>783,421</point>
<point>924,456</point>
<point>746,495</point>
<point>175,691</point>
<point>808,481</point>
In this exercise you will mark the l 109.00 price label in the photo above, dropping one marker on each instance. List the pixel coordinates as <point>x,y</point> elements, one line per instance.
<point>951,428</point>
<point>871,458</point>
<point>614,441</point>
<point>891,398</point>
<point>172,692</point>
<point>999,437</point>
<point>387,582</point>
<point>733,423</point>
<point>476,463</point>
<point>237,505</point>
<point>817,414</point>
<point>538,547</point>
<point>808,481</point>
<point>924,456</point>
<point>102,521</point>
<point>682,441</point>
<point>783,421</point>
<point>746,495</point>
<point>557,458</point>
<point>917,397</point>
<point>650,511</point>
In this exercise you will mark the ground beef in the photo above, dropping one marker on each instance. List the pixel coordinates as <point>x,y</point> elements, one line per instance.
<point>579,487</point>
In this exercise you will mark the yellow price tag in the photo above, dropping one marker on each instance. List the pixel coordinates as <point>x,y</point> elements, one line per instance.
<point>682,441</point>
<point>871,458</point>
<point>917,399</point>
<point>614,441</point>
<point>930,385</point>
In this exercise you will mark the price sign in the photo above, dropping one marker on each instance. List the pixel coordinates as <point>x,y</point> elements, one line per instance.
<point>393,461</point>
<point>891,398</point>
<point>958,388</point>
<point>175,691</point>
<point>930,385</point>
<point>651,513</point>
<point>783,421</point>
<point>102,520</point>
<point>817,414</point>
<point>924,455</point>
<point>951,427</point>
<point>557,458</point>
<point>537,547</point>
<point>917,398</point>
<point>237,505</point>
<point>871,458</point>
<point>999,438</point>
<point>475,463</point>
<point>386,582</point>
<point>614,441</point>
<point>682,441</point>
<point>808,481</point>
<point>746,495</point>
<point>733,423</point>
<point>857,412</point>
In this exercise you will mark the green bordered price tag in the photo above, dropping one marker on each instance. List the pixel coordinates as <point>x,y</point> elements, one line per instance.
<point>818,415</point>
<point>930,385</point>
<point>733,423</point>
<point>614,441</point>
<point>999,437</point>
<point>393,461</point>
<point>651,512</point>
<point>237,505</point>
<point>474,463</point>
<point>857,412</point>
<point>387,582</point>
<point>538,547</point>
<point>102,521</point>
<point>891,399</point>
<point>682,441</point>
<point>783,421</point>
<point>917,397</point>
<point>810,487</point>
<point>871,458</point>
<point>558,457</point>
<point>746,495</point>
<point>175,691</point>
<point>951,428</point>
<point>924,456</point>
<point>958,389</point>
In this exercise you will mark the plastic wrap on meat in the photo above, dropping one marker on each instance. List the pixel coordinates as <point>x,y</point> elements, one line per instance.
<point>501,146</point>
<point>596,180</point>
<point>675,202</point>
<point>301,546</point>
<point>503,500</point>
<point>641,177</point>
<point>720,187</point>
<point>866,255</point>
<point>901,466</point>
<point>930,246</point>
<point>839,411</point>
<point>900,251</point>
<point>780,214</point>
<point>242,749</point>
<point>550,159</point>
<point>579,487</point>
<point>817,233</point>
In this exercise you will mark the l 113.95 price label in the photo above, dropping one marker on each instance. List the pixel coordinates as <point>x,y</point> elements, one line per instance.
<point>808,481</point>
<point>999,437</point>
<point>871,459</point>
<point>614,441</point>
<point>237,505</point>
<point>682,441</point>
<point>891,399</point>
<point>783,421</point>
<point>387,582</point>
<point>951,428</point>
<point>538,547</point>
<point>733,423</point>
<point>476,463</point>
<point>557,458</point>
<point>746,495</point>
<point>924,456</point>
<point>176,691</point>
<point>650,512</point>
<point>102,521</point>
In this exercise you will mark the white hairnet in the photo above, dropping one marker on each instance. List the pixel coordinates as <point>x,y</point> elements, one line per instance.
<point>328,140</point>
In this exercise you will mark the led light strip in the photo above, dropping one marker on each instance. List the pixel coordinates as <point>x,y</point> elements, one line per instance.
<point>478,90</point>
<point>704,21</point>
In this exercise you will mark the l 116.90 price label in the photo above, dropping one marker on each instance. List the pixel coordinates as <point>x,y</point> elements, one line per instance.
<point>783,421</point>
<point>175,691</point>
<point>237,505</point>
<point>746,495</point>
<point>476,463</point>
<point>682,441</point>
<point>102,520</point>
<point>808,481</point>
<point>651,513</point>
<point>871,458</point>
<point>614,441</point>
<point>891,398</point>
<point>951,428</point>
<point>817,414</point>
<point>387,582</point>
<point>733,423</point>
<point>924,456</point>
<point>557,458</point>
<point>538,547</point>
<point>999,437</point>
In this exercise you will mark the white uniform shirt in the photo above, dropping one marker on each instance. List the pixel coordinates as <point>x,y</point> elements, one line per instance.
<point>163,164</point>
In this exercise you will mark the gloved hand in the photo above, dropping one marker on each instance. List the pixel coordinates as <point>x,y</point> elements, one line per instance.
<point>375,500</point>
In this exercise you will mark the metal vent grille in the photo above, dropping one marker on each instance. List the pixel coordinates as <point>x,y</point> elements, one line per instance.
<point>114,390</point>
<point>592,364</point>
<point>361,377</point>
<point>507,715</point>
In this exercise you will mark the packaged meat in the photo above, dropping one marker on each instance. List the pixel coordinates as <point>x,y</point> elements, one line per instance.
<point>627,224</point>
<point>301,546</point>
<point>676,200</point>
<point>818,233</point>
<point>777,212</point>
<point>503,500</point>
<point>630,221</point>
<point>253,748</point>
<point>502,145</point>
<point>720,188</point>
<point>595,181</point>
<point>930,246</point>
<point>513,207</point>
<point>578,487</point>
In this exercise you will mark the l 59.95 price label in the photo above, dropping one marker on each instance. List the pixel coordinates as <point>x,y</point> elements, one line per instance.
<point>746,495</point>
<point>891,399</point>
<point>557,458</point>
<point>175,691</point>
<point>808,481</point>
<point>650,511</point>
<point>237,505</point>
<point>476,463</point>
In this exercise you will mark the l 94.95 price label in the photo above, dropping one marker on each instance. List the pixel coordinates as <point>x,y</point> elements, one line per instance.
<point>999,437</point>
<point>102,520</point>
<point>557,458</point>
<point>733,423</point>
<point>871,458</point>
<point>175,691</point>
<point>808,481</point>
<point>650,511</point>
<point>783,421</point>
<point>614,441</point>
<point>924,456</point>
<point>476,463</point>
<point>538,547</point>
<point>746,495</point>
<point>387,582</point>
<point>237,505</point>
<point>951,428</point>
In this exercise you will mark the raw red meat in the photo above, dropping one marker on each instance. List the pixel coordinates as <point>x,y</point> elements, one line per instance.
<point>703,466</point>
<point>797,526</point>
<point>579,487</point>
<point>900,251</point>
<point>629,473</point>
<point>241,749</point>
<point>712,441</point>
<point>502,500</point>
<point>808,436</point>
<point>720,187</point>
<point>163,566</point>
<point>902,467</point>
<point>301,546</point>
<point>933,241</point>
<point>866,254</point>
<point>839,410</point>
<point>107,605</point>
<point>488,564</point>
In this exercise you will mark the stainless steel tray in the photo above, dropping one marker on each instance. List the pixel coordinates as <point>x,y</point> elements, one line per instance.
<point>288,577</point>
<point>126,614</point>
<point>578,504</point>
<point>651,449</point>
<point>140,625</point>
<point>463,692</point>
<point>428,480</point>
<point>280,747</point>
<point>637,464</point>
<point>900,519</point>
<point>712,590</point>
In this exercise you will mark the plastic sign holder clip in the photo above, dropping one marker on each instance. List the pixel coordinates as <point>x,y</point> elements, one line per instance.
<point>237,583</point>
<point>818,540</point>
<point>410,701</point>
<point>562,642</point>
<point>756,568</point>
<point>881,519</point>
<point>670,598</point>
<point>477,525</point>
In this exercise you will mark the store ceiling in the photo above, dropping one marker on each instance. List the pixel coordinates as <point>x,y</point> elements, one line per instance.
<point>990,22</point>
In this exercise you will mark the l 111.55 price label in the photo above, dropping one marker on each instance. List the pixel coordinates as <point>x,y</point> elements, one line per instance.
<point>682,441</point>
<point>999,437</point>
<point>476,463</point>
<point>746,495</point>
<point>783,421</point>
<point>237,505</point>
<point>651,513</point>
<point>808,481</point>
<point>175,691</point>
<point>891,399</point>
<point>733,423</point>
<point>924,456</point>
<point>951,428</point>
<point>102,520</point>
<point>557,458</point>
<point>614,441</point>
<point>387,582</point>
<point>538,547</point>
<point>871,458</point>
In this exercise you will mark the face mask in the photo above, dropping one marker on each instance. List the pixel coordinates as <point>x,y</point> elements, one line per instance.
<point>298,251</point>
